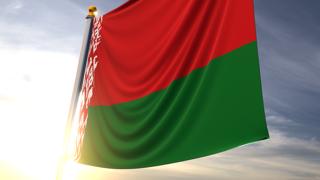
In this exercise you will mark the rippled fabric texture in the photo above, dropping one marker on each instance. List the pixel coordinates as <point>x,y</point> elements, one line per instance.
<point>175,80</point>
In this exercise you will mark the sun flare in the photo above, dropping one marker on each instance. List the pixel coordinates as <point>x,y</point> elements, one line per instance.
<point>34,104</point>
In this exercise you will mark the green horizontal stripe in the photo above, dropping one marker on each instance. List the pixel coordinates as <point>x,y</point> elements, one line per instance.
<point>213,109</point>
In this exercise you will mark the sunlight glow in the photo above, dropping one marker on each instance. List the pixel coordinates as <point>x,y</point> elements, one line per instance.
<point>34,99</point>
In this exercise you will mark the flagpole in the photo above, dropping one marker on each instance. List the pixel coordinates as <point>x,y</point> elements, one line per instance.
<point>76,88</point>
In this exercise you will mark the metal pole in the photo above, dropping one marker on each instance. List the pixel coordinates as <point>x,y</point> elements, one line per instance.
<point>76,88</point>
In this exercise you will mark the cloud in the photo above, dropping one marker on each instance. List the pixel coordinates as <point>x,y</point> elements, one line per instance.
<point>45,25</point>
<point>13,7</point>
<point>290,66</point>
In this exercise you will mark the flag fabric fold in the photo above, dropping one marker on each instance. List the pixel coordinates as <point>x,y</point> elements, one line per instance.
<point>168,81</point>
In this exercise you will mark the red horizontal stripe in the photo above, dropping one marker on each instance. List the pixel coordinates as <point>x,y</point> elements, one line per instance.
<point>148,44</point>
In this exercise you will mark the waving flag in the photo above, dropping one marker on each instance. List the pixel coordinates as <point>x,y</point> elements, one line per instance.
<point>168,81</point>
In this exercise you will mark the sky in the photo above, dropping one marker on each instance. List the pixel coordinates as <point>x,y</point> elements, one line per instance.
<point>39,47</point>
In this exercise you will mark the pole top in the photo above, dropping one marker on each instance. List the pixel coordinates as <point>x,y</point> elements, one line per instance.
<point>92,11</point>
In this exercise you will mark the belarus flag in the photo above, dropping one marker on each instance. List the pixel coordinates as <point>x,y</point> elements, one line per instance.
<point>170,80</point>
